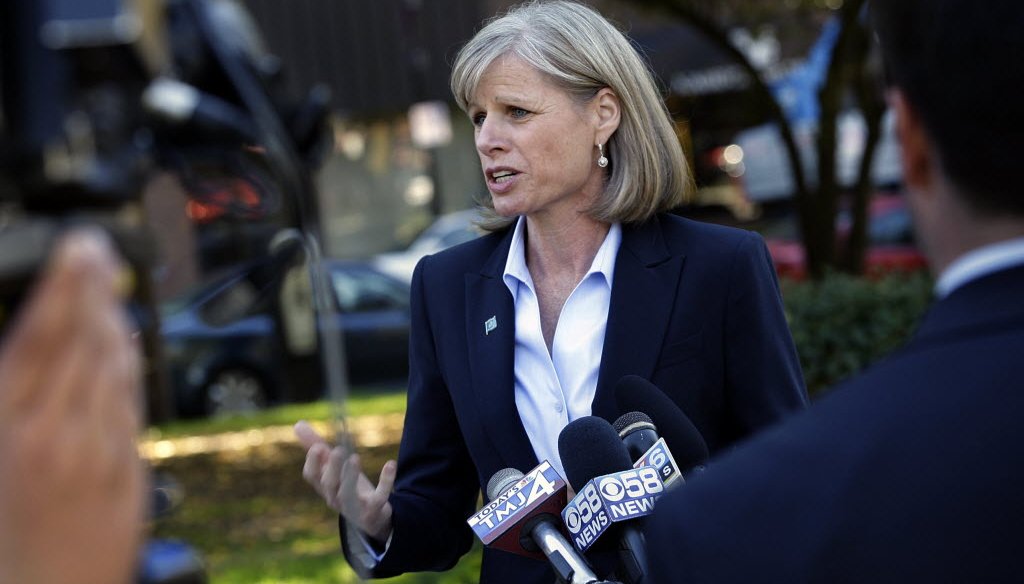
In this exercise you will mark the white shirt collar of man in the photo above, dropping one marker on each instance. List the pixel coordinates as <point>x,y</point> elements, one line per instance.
<point>980,262</point>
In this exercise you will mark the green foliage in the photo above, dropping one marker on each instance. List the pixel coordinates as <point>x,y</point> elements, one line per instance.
<point>360,402</point>
<point>843,323</point>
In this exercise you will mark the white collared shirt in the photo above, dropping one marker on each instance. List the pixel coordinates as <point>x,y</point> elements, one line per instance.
<point>552,389</point>
<point>980,262</point>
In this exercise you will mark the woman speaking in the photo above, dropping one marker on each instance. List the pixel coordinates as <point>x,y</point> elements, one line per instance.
<point>584,278</point>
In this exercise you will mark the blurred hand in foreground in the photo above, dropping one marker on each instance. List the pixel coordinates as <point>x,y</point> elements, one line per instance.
<point>72,485</point>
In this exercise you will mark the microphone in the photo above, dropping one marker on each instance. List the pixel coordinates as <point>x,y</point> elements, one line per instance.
<point>609,490</point>
<point>641,439</point>
<point>637,432</point>
<point>520,518</point>
<point>634,393</point>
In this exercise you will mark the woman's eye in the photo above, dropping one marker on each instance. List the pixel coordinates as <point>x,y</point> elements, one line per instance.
<point>518,112</point>
<point>477,119</point>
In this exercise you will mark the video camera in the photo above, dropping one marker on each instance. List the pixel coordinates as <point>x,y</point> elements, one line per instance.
<point>100,95</point>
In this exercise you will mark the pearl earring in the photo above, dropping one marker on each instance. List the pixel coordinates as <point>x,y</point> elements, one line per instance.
<point>602,160</point>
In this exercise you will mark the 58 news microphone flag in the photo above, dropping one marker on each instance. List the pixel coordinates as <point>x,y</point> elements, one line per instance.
<point>608,499</point>
<point>612,497</point>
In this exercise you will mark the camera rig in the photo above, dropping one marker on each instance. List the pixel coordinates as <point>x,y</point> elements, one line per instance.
<point>98,95</point>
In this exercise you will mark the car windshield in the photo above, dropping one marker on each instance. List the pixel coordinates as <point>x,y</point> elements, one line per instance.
<point>447,231</point>
<point>228,296</point>
<point>360,290</point>
<point>195,293</point>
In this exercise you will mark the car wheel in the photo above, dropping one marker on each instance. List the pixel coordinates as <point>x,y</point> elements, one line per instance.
<point>235,391</point>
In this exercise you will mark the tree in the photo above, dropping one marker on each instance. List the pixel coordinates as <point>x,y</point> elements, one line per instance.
<point>849,72</point>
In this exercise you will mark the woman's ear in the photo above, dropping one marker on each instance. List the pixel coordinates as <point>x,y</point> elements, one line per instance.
<point>607,112</point>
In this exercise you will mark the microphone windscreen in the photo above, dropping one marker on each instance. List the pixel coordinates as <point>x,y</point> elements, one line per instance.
<point>589,447</point>
<point>501,481</point>
<point>631,421</point>
<point>634,393</point>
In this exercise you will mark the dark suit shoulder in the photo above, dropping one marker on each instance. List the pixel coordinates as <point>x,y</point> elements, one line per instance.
<point>686,235</point>
<point>910,470</point>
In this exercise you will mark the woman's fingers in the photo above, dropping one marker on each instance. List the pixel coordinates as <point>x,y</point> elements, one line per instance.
<point>307,435</point>
<point>347,495</point>
<point>387,480</point>
<point>330,481</point>
<point>313,468</point>
<point>336,474</point>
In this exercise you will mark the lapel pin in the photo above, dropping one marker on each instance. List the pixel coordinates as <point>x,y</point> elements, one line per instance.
<point>490,324</point>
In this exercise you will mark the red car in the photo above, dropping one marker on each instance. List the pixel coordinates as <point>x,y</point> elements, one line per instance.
<point>890,242</point>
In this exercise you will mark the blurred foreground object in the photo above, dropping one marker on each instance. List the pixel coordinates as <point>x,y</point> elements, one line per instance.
<point>97,96</point>
<point>72,486</point>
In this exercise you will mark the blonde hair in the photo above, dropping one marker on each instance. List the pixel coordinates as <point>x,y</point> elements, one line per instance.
<point>581,52</point>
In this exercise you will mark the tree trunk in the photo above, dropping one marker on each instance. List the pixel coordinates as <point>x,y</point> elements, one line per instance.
<point>816,209</point>
<point>873,108</point>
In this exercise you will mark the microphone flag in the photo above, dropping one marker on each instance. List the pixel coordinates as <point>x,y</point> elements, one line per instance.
<point>660,457</point>
<point>611,498</point>
<point>499,523</point>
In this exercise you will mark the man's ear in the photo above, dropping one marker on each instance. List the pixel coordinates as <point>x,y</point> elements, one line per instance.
<point>916,151</point>
<point>608,112</point>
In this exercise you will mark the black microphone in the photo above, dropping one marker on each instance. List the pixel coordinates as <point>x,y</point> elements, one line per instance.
<point>521,518</point>
<point>609,490</point>
<point>636,394</point>
<point>646,448</point>
<point>638,433</point>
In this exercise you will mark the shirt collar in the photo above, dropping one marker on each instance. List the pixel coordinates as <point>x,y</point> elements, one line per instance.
<point>515,264</point>
<point>980,262</point>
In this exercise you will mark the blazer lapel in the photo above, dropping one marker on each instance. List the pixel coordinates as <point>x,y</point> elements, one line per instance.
<point>643,293</point>
<point>490,337</point>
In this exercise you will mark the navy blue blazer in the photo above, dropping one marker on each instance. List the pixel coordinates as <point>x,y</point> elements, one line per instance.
<point>694,308</point>
<point>911,472</point>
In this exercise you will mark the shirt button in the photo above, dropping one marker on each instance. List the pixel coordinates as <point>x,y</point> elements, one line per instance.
<point>558,408</point>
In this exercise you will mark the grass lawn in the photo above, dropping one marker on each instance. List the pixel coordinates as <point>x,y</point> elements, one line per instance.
<point>360,403</point>
<point>254,519</point>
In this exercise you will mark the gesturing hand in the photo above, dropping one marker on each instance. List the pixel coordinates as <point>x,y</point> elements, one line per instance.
<point>337,476</point>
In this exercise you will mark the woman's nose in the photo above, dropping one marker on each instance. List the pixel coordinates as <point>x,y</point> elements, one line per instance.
<point>490,138</point>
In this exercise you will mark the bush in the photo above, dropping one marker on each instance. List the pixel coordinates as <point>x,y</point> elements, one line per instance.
<point>843,323</point>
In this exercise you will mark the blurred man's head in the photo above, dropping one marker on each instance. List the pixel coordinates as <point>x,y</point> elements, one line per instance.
<point>957,65</point>
<point>955,87</point>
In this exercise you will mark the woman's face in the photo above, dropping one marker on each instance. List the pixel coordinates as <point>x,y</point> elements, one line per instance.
<point>536,144</point>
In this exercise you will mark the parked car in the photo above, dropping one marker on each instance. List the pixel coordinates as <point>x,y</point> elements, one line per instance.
<point>890,246</point>
<point>225,350</point>
<point>448,230</point>
<point>766,174</point>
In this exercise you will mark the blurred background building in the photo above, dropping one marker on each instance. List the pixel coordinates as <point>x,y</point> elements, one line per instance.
<point>403,153</point>
<point>401,171</point>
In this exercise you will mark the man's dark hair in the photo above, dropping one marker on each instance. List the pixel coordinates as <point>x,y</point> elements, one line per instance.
<point>959,62</point>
